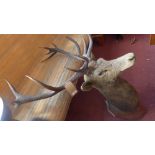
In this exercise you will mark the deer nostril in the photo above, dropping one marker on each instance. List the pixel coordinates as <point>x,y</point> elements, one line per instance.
<point>133,58</point>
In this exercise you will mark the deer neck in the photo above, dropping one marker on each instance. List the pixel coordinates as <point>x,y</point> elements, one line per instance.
<point>107,88</point>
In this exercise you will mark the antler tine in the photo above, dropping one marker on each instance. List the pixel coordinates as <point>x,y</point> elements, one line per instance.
<point>84,47</point>
<point>51,52</point>
<point>89,47</point>
<point>12,88</point>
<point>51,55</point>
<point>76,44</point>
<point>59,50</point>
<point>87,52</point>
<point>45,85</point>
<point>86,58</point>
<point>20,99</point>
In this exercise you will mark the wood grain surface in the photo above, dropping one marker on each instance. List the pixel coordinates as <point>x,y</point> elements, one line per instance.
<point>152,39</point>
<point>20,55</point>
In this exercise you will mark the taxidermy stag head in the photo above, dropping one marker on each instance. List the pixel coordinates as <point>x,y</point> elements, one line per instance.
<point>121,98</point>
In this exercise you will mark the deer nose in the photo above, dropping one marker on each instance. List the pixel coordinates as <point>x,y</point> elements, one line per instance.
<point>131,57</point>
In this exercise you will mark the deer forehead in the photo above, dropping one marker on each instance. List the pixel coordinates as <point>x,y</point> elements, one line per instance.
<point>122,61</point>
<point>100,63</point>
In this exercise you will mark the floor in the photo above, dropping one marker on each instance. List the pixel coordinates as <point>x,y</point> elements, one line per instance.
<point>90,106</point>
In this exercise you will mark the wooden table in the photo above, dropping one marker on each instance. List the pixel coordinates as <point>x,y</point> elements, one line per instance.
<point>20,55</point>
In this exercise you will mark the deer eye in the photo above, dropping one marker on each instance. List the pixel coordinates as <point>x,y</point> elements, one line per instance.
<point>102,72</point>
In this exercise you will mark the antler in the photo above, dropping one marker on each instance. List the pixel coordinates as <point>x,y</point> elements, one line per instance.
<point>20,99</point>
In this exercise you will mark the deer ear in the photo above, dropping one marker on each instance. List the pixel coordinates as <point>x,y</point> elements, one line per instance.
<point>86,86</point>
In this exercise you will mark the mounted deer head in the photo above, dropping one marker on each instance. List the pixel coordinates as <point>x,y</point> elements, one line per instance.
<point>122,99</point>
<point>103,72</point>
